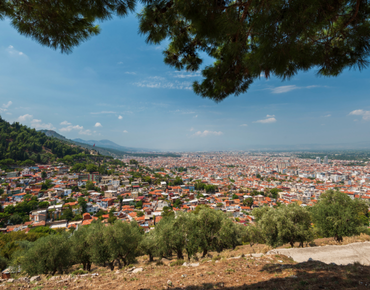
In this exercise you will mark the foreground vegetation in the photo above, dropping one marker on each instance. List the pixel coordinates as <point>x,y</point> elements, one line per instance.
<point>189,233</point>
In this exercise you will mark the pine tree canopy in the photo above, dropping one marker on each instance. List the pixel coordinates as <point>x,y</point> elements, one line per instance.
<point>246,38</point>
<point>250,38</point>
<point>61,24</point>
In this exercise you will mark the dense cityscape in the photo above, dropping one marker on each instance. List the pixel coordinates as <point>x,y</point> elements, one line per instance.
<point>139,189</point>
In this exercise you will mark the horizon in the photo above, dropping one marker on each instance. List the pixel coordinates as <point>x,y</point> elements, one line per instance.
<point>116,87</point>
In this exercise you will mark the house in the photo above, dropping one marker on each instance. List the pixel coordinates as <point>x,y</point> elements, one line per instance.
<point>105,202</point>
<point>38,215</point>
<point>92,208</point>
<point>110,193</point>
<point>63,191</point>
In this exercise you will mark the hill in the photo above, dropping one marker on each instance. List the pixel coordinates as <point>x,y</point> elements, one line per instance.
<point>231,269</point>
<point>114,152</point>
<point>23,145</point>
<point>107,144</point>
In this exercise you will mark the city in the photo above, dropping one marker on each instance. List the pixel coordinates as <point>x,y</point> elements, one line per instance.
<point>237,182</point>
<point>188,144</point>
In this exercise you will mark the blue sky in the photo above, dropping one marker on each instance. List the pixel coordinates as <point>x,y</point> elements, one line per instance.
<point>116,87</point>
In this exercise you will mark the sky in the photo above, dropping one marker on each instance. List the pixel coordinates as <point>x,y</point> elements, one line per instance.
<point>116,86</point>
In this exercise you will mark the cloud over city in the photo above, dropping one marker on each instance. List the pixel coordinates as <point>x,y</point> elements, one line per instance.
<point>364,114</point>
<point>267,120</point>
<point>285,89</point>
<point>206,133</point>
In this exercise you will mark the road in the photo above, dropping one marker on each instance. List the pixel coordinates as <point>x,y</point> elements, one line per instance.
<point>340,255</point>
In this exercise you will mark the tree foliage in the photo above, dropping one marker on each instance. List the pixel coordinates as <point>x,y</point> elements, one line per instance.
<point>285,224</point>
<point>20,143</point>
<point>62,24</point>
<point>46,255</point>
<point>246,38</point>
<point>250,38</point>
<point>337,215</point>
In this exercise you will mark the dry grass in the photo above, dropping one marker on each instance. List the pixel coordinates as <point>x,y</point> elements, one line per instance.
<point>222,271</point>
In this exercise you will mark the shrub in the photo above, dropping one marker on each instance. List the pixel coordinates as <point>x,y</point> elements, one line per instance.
<point>79,272</point>
<point>177,263</point>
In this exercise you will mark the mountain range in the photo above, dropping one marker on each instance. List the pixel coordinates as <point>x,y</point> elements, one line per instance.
<point>107,147</point>
<point>108,144</point>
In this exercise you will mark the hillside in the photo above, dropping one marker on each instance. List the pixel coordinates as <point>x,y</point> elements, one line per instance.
<point>231,269</point>
<point>116,153</point>
<point>21,144</point>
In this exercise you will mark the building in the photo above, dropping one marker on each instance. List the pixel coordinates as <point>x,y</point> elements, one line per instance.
<point>326,160</point>
<point>318,160</point>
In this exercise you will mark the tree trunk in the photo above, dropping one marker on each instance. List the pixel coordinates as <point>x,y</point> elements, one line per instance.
<point>180,255</point>
<point>205,251</point>
<point>111,266</point>
<point>151,257</point>
<point>292,244</point>
<point>119,264</point>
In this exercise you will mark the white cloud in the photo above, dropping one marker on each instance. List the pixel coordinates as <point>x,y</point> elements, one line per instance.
<point>196,116</point>
<point>285,89</point>
<point>85,132</point>
<point>183,112</point>
<point>191,129</point>
<point>70,128</point>
<point>157,78</point>
<point>98,124</point>
<point>365,114</point>
<point>269,119</point>
<point>13,52</point>
<point>103,112</point>
<point>243,125</point>
<point>24,118</point>
<point>327,116</point>
<point>7,105</point>
<point>130,73</point>
<point>125,131</point>
<point>208,133</point>
<point>120,62</point>
<point>120,117</point>
<point>38,125</point>
<point>35,123</point>
<point>164,85</point>
<point>179,74</point>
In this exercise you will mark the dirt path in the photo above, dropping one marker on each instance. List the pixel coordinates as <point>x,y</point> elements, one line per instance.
<point>340,255</point>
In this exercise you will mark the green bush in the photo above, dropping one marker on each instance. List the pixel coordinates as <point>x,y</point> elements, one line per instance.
<point>177,263</point>
<point>79,272</point>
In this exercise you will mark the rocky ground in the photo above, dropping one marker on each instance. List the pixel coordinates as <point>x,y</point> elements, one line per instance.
<point>242,268</point>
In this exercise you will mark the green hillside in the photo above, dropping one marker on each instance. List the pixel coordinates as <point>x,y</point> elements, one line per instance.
<point>116,153</point>
<point>22,145</point>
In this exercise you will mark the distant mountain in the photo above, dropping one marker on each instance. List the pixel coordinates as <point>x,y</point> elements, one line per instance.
<point>107,144</point>
<point>103,148</point>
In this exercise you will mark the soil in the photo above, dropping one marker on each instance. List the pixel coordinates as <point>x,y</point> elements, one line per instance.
<point>231,269</point>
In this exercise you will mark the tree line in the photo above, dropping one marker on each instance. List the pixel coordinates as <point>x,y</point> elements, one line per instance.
<point>25,146</point>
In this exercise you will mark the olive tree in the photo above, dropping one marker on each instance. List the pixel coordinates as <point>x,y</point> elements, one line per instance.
<point>285,224</point>
<point>46,255</point>
<point>337,215</point>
